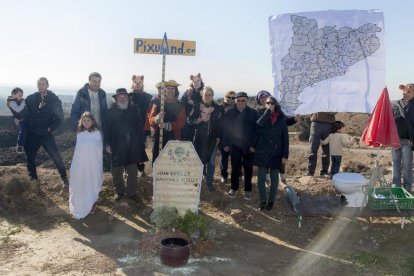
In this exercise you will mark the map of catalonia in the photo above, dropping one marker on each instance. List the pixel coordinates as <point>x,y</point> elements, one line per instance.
<point>318,54</point>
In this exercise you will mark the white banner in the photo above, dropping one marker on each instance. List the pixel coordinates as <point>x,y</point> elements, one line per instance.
<point>328,61</point>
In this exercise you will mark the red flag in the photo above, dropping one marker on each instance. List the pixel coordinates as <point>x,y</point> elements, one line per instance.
<point>381,130</point>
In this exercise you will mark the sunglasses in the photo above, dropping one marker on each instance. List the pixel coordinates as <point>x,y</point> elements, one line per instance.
<point>271,103</point>
<point>241,101</point>
<point>228,97</point>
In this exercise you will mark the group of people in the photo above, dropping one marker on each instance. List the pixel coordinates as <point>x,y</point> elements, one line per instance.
<point>247,136</point>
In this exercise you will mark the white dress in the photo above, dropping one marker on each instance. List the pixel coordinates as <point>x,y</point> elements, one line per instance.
<point>86,173</point>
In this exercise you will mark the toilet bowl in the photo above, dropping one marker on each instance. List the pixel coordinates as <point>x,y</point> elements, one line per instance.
<point>350,185</point>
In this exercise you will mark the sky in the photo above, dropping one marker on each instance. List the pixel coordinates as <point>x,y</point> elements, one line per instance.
<point>66,40</point>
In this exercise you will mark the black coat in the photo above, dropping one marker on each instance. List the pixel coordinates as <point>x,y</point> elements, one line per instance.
<point>404,119</point>
<point>126,136</point>
<point>39,119</point>
<point>143,101</point>
<point>241,133</point>
<point>206,133</point>
<point>194,95</point>
<point>272,141</point>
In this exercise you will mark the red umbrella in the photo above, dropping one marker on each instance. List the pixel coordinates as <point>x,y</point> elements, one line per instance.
<point>381,130</point>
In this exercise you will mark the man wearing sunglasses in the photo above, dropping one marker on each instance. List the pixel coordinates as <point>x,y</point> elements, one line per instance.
<point>239,139</point>
<point>402,158</point>
<point>224,160</point>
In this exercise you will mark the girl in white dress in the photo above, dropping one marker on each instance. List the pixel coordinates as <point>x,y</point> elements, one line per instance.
<point>86,170</point>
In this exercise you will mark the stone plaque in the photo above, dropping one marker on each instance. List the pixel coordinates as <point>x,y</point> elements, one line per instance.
<point>177,176</point>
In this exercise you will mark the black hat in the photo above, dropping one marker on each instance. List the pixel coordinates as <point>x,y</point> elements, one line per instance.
<point>241,94</point>
<point>120,91</point>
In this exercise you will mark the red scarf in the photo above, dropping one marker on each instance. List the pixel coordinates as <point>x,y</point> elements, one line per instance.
<point>273,117</point>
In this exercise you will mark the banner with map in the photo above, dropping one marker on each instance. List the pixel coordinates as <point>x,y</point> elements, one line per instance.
<point>328,61</point>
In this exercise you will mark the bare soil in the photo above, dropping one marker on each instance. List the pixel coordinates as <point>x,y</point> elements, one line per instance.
<point>38,235</point>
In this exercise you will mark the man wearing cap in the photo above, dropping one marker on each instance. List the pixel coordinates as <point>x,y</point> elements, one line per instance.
<point>93,99</point>
<point>239,139</point>
<point>126,142</point>
<point>172,120</point>
<point>402,158</point>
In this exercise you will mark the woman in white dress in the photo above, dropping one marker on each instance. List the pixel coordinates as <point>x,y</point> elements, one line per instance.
<point>86,170</point>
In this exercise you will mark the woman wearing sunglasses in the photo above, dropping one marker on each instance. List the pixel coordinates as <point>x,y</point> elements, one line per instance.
<point>272,150</point>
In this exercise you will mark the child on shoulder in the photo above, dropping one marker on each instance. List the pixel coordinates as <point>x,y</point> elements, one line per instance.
<point>86,170</point>
<point>17,105</point>
<point>337,140</point>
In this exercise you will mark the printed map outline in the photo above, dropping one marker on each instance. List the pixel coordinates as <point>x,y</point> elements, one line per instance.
<point>317,54</point>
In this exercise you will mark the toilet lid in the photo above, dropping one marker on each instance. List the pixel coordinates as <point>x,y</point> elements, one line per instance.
<point>348,178</point>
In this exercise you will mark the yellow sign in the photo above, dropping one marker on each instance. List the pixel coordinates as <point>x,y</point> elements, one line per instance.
<point>175,47</point>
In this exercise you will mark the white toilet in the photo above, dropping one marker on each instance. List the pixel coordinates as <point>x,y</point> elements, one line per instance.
<point>350,185</point>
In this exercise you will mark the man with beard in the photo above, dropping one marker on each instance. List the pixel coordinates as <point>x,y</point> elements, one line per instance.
<point>126,144</point>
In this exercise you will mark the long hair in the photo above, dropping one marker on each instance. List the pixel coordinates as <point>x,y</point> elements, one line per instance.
<point>90,116</point>
<point>277,105</point>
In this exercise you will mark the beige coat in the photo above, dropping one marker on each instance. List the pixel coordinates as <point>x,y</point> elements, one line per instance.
<point>336,142</point>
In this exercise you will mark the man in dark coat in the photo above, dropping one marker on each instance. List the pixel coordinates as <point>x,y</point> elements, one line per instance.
<point>402,158</point>
<point>126,141</point>
<point>228,104</point>
<point>44,115</point>
<point>93,99</point>
<point>142,100</point>
<point>239,138</point>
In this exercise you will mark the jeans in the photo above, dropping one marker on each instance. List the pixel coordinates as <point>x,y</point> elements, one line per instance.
<point>239,160</point>
<point>224,163</point>
<point>274,182</point>
<point>48,142</point>
<point>21,139</point>
<point>335,163</point>
<point>319,131</point>
<point>118,179</point>
<point>211,165</point>
<point>402,158</point>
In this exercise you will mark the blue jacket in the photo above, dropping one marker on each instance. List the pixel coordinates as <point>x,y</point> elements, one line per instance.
<point>82,103</point>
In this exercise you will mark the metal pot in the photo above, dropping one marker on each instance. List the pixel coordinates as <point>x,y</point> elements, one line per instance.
<point>174,252</point>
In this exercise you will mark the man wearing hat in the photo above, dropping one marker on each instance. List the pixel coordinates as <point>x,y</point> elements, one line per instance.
<point>127,144</point>
<point>172,120</point>
<point>239,139</point>
<point>402,158</point>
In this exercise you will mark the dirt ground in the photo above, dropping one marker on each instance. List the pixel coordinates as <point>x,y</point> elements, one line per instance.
<point>39,237</point>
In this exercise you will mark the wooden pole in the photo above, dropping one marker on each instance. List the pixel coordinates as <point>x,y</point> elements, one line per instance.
<point>162,101</point>
<point>164,50</point>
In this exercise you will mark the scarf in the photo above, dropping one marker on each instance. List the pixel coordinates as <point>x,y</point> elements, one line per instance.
<point>273,117</point>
